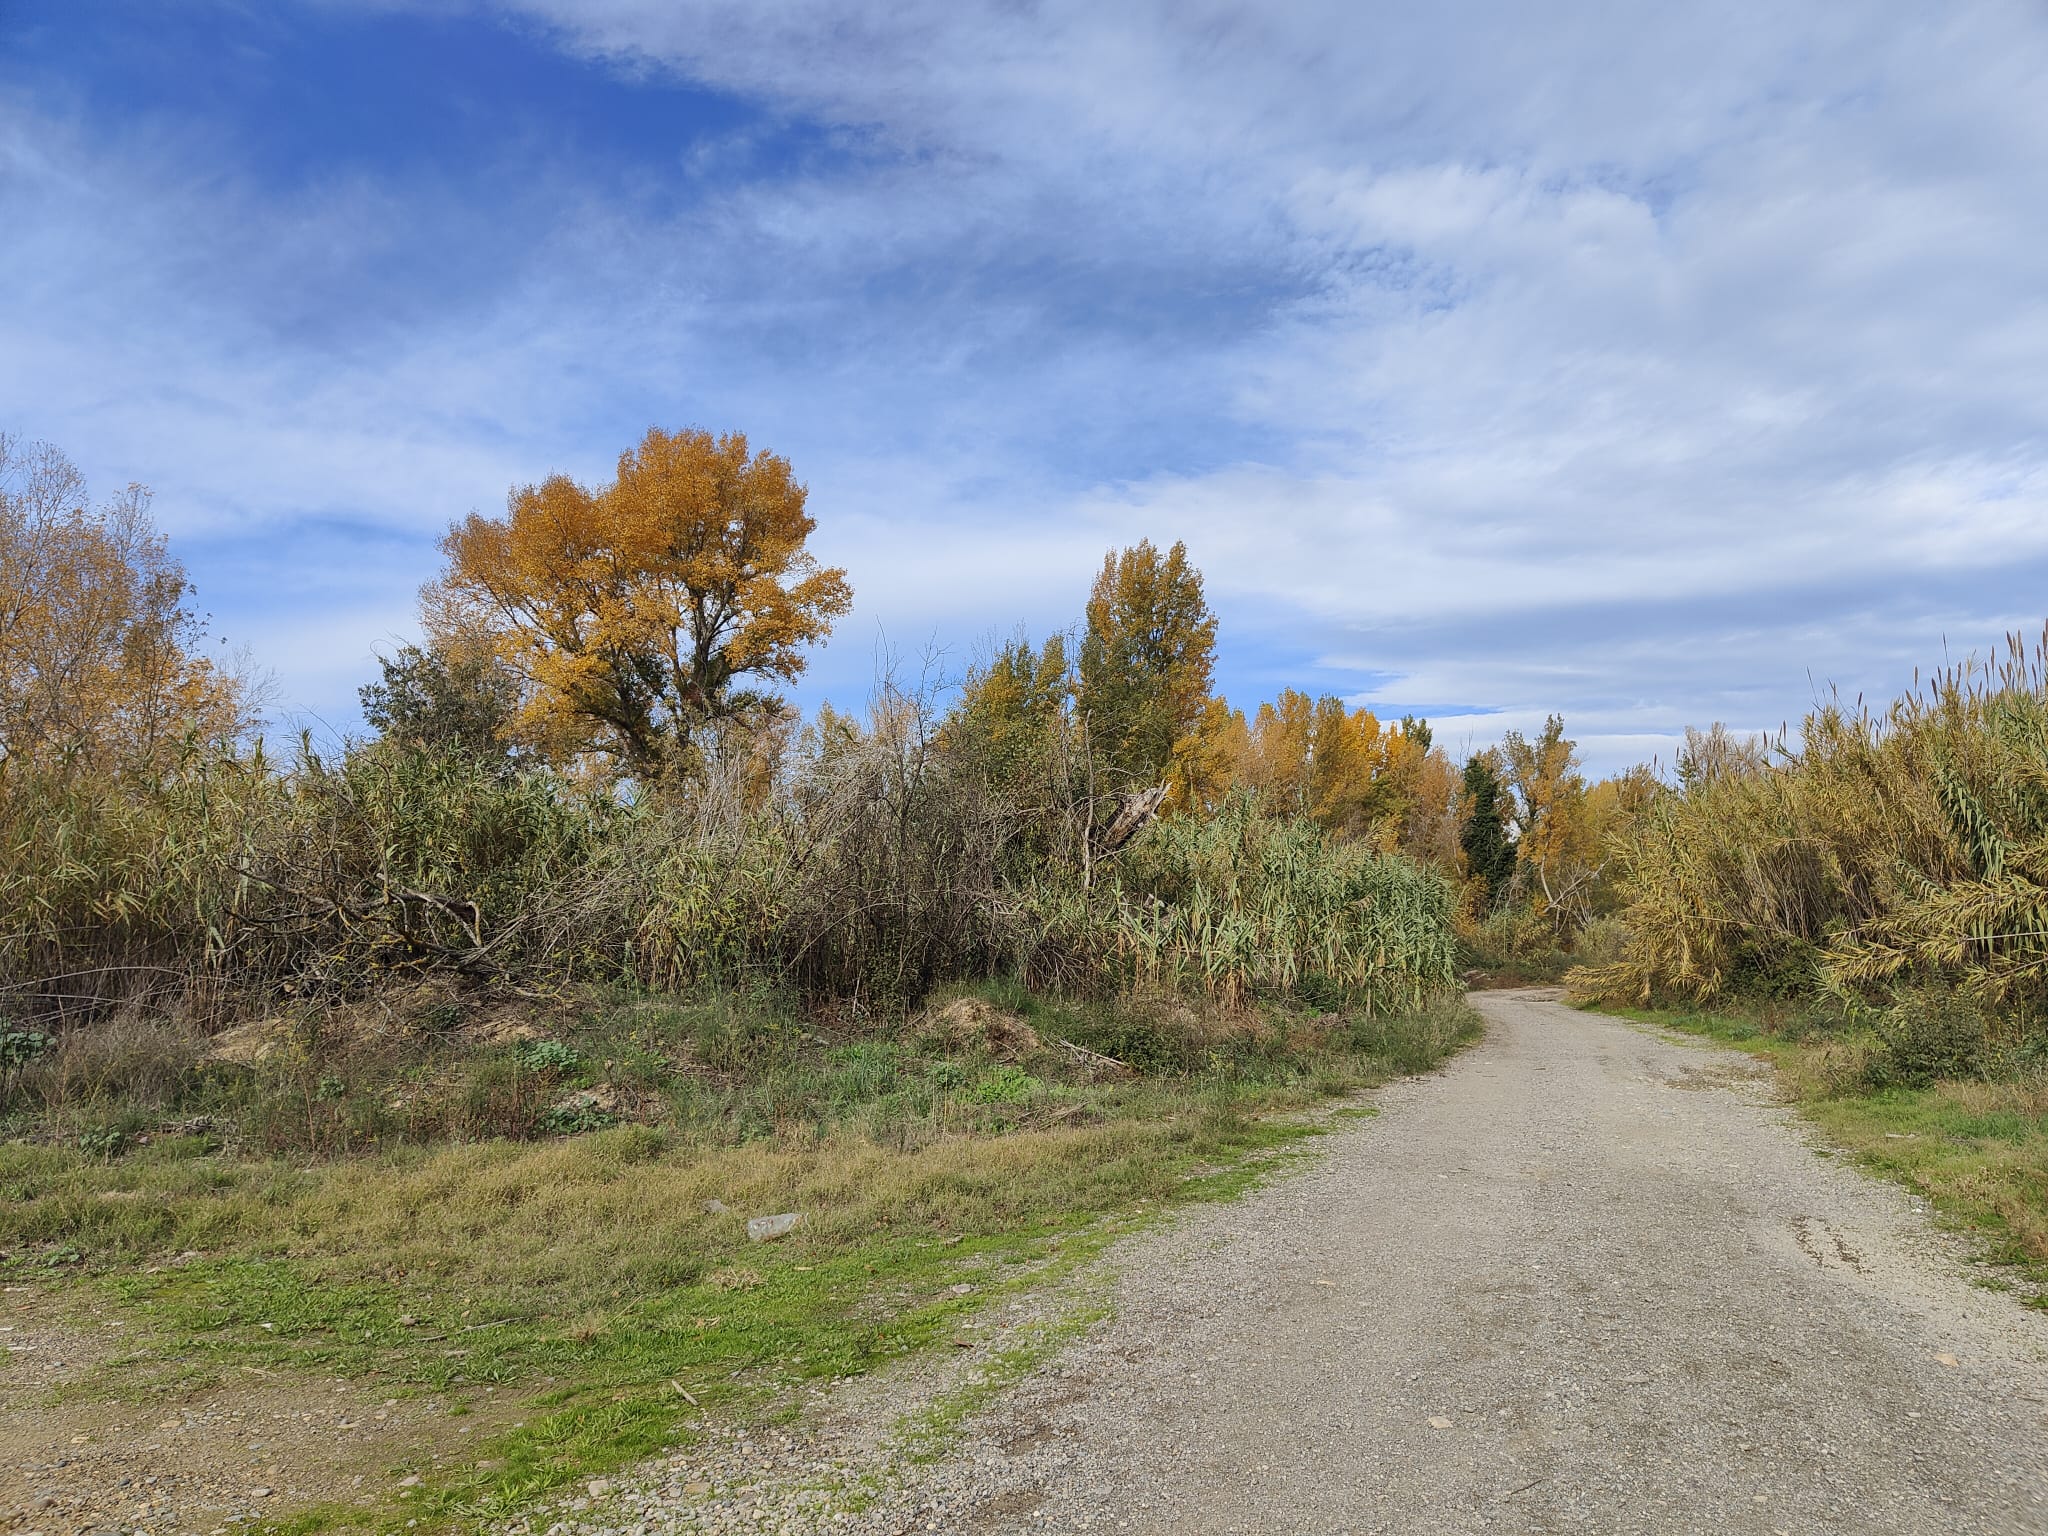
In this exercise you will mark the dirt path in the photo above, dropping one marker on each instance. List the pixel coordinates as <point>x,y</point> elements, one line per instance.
<point>1586,1279</point>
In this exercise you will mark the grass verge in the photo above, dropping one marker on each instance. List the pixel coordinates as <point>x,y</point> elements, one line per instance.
<point>1976,1150</point>
<point>604,1282</point>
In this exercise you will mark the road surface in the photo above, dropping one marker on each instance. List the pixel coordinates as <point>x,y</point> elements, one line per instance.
<point>1578,1281</point>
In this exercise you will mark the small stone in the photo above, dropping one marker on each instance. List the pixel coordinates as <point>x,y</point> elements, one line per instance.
<point>409,1482</point>
<point>1438,1421</point>
<point>259,1493</point>
<point>717,1208</point>
<point>1946,1360</point>
<point>599,1487</point>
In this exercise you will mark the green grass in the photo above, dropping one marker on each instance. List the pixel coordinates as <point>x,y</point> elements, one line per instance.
<point>1976,1150</point>
<point>583,1276</point>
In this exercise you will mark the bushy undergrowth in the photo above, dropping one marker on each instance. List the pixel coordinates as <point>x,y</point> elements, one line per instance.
<point>1894,867</point>
<point>1240,905</point>
<point>872,867</point>
<point>1513,943</point>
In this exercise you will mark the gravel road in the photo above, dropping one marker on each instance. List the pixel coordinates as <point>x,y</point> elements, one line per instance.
<point>1587,1278</point>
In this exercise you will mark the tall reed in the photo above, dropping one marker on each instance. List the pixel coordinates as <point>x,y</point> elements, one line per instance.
<point>1908,847</point>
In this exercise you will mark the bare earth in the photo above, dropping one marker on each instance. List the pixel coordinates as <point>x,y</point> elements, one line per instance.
<point>1585,1279</point>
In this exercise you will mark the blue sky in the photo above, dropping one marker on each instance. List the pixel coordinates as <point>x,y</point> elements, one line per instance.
<point>1657,365</point>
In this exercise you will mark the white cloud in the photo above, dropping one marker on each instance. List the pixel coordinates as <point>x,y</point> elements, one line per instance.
<point>1691,348</point>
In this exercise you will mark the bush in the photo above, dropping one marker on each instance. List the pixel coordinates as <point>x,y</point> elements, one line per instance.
<point>1243,904</point>
<point>1929,1034</point>
<point>133,1060</point>
<point>1515,941</point>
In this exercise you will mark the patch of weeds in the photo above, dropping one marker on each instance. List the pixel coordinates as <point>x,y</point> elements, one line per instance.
<point>1006,1085</point>
<point>550,1057</point>
<point>105,1142</point>
<point>577,1119</point>
<point>928,1434</point>
<point>1355,1112</point>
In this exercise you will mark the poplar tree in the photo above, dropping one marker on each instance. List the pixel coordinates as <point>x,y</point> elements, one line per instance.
<point>643,613</point>
<point>1147,663</point>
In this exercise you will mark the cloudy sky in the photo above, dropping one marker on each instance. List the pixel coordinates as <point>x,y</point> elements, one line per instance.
<point>1652,364</point>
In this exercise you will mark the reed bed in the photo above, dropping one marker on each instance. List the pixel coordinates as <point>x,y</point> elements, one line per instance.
<point>1885,852</point>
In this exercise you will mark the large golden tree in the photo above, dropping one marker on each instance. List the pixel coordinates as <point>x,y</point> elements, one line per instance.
<point>645,612</point>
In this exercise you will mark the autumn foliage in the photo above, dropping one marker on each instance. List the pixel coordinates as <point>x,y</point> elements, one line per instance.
<point>1148,657</point>
<point>645,613</point>
<point>99,650</point>
<point>584,772</point>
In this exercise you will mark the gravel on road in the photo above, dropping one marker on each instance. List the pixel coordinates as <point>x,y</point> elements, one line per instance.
<point>1586,1278</point>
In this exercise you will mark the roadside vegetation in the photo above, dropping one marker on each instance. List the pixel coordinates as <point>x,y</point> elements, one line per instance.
<point>1869,908</point>
<point>605,1281</point>
<point>459,1055</point>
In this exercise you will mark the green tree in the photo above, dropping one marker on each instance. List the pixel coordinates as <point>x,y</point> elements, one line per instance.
<point>1011,715</point>
<point>445,699</point>
<point>1489,855</point>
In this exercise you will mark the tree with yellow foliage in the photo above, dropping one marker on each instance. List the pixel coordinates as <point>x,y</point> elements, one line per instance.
<point>1012,714</point>
<point>646,612</point>
<point>1426,791</point>
<point>98,650</point>
<point>1314,757</point>
<point>1558,848</point>
<point>1147,660</point>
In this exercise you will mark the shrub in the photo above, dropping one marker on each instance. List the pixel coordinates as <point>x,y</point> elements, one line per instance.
<point>1930,1033</point>
<point>132,1060</point>
<point>19,1047</point>
<point>1518,941</point>
<point>1244,904</point>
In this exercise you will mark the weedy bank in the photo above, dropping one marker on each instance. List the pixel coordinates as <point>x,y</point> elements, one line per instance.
<point>601,1285</point>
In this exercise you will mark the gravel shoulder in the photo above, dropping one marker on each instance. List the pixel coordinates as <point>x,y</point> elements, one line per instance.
<point>1587,1278</point>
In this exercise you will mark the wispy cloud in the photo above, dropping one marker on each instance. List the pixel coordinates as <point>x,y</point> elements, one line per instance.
<point>1634,364</point>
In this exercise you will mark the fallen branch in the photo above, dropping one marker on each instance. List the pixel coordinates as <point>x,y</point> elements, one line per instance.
<point>1095,1061</point>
